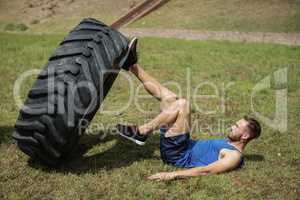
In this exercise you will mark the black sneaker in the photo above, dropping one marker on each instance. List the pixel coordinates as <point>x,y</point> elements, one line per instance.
<point>130,57</point>
<point>131,133</point>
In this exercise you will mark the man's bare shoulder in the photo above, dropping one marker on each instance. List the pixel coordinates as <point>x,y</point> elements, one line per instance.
<point>229,153</point>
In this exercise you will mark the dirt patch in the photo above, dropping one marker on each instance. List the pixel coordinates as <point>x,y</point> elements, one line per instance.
<point>31,12</point>
<point>43,9</point>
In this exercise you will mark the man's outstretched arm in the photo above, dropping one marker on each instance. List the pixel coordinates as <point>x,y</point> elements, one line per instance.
<point>229,162</point>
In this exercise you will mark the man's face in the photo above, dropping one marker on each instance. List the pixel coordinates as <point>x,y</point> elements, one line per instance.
<point>239,131</point>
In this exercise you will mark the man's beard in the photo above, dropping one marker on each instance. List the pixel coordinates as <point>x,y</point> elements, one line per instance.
<point>232,139</point>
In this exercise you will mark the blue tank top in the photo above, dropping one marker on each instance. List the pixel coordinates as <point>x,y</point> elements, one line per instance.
<point>203,152</point>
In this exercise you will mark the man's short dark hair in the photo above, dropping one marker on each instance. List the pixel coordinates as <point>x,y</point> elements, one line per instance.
<point>254,127</point>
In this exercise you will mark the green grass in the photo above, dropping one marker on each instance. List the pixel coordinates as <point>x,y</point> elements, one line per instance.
<point>112,168</point>
<point>235,15</point>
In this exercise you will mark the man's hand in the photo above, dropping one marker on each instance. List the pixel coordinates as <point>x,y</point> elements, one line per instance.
<point>163,176</point>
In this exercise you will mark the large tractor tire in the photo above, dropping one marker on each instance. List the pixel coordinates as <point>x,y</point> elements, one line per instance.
<point>69,91</point>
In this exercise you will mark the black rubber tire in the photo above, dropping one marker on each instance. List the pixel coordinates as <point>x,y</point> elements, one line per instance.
<point>50,123</point>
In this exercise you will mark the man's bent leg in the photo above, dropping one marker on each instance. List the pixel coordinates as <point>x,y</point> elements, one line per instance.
<point>182,123</point>
<point>167,117</point>
<point>174,141</point>
<point>175,117</point>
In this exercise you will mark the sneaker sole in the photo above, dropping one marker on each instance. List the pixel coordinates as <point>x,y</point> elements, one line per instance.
<point>131,43</point>
<point>131,139</point>
<point>129,47</point>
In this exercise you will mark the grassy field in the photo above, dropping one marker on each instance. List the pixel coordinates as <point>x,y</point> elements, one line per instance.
<point>218,15</point>
<point>108,167</point>
<point>214,15</point>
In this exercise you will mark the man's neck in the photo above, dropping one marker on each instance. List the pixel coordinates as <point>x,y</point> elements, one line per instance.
<point>239,145</point>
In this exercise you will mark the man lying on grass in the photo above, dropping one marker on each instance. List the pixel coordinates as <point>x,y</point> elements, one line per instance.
<point>176,147</point>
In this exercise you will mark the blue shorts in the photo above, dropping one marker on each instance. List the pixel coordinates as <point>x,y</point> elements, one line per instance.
<point>172,149</point>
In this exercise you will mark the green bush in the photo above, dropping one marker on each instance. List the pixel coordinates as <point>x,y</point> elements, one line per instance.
<point>15,27</point>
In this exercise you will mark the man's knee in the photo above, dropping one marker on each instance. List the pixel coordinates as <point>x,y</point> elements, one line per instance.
<point>170,99</point>
<point>168,102</point>
<point>183,105</point>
